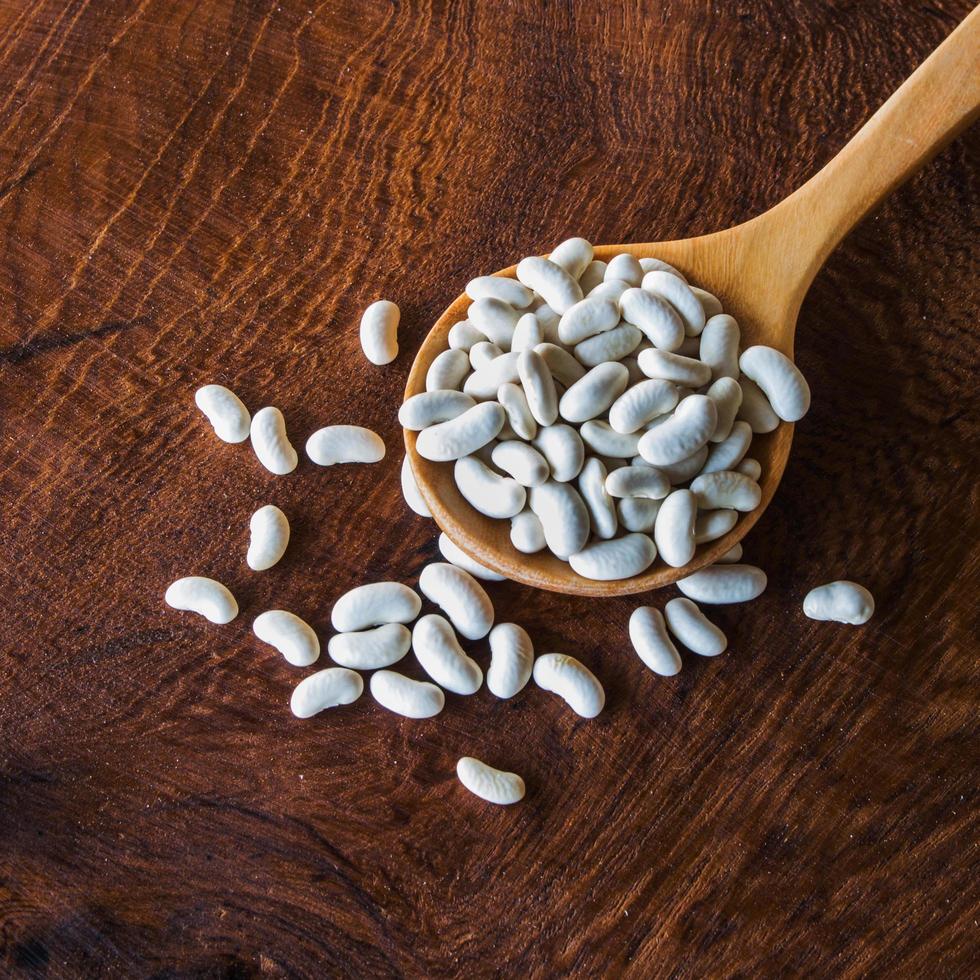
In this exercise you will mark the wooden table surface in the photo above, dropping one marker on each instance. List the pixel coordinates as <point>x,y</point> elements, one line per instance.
<point>212,192</point>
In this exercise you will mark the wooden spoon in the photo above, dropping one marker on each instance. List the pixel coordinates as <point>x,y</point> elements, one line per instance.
<point>760,270</point>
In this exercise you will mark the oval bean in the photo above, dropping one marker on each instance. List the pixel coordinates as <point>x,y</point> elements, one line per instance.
<point>780,379</point>
<point>666,366</point>
<point>562,447</point>
<point>447,370</point>
<point>486,491</point>
<point>482,353</point>
<point>652,265</point>
<point>674,531</point>
<point>677,292</point>
<point>681,472</point>
<point>507,290</point>
<point>709,302</point>
<point>586,319</point>
<point>344,444</point>
<point>725,455</point>
<point>719,346</point>
<point>609,289</point>
<point>651,643</point>
<point>403,696</point>
<point>462,435</point>
<point>642,403</point>
<point>269,535</point>
<point>572,681</point>
<point>714,524</point>
<point>593,394</point>
<point>511,660</point>
<point>654,316</point>
<point>563,515</point>
<point>539,386</point>
<point>527,533</point>
<point>431,407</point>
<point>638,513</point>
<point>325,689</point>
<point>752,468</point>
<point>840,602</point>
<point>726,488</point>
<point>726,393</point>
<point>625,268</point>
<point>692,628</point>
<point>527,334</point>
<point>548,319</point>
<point>460,597</point>
<point>294,638</point>
<point>606,561</point>
<point>732,556</point>
<point>514,402</point>
<point>563,366</point>
<point>225,411</point>
<point>410,490</point>
<point>270,442</point>
<point>204,596</point>
<point>442,658</point>
<point>601,508</point>
<point>719,584</point>
<point>456,556</point>
<point>550,281</point>
<point>593,275</point>
<point>483,384</point>
<point>613,345</point>
<point>463,335</point>
<point>573,255</point>
<point>602,438</point>
<point>379,332</point>
<point>638,481</point>
<point>682,434</point>
<point>521,461</point>
<point>375,605</point>
<point>370,649</point>
<point>495,318</point>
<point>755,408</point>
<point>492,785</point>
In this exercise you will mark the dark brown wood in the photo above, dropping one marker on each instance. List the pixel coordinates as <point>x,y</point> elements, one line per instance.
<point>196,192</point>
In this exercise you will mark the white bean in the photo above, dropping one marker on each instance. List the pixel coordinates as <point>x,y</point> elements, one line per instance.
<point>709,302</point>
<point>592,395</point>
<point>483,384</point>
<point>539,386</point>
<point>724,583</point>
<point>430,407</point>
<point>204,596</point>
<point>494,318</point>
<point>370,649</point>
<point>613,345</point>
<point>562,365</point>
<point>682,434</point>
<point>507,290</point>
<point>562,447</point>
<point>649,638</point>
<point>573,255</point>
<point>726,488</point>
<point>638,481</point>
<point>780,379</point>
<point>379,332</point>
<point>719,346</point>
<point>374,605</point>
<point>638,513</point>
<point>521,461</point>
<point>726,455</point>
<point>752,468</point>
<point>593,275</point>
<point>714,524</point>
<point>681,472</point>
<point>602,438</point>
<point>462,435</point>
<point>269,535</point>
<point>225,411</point>
<point>572,681</point>
<point>527,334</point>
<point>460,597</point>
<point>586,319</point>
<point>487,491</point>
<point>674,530</point>
<point>840,602</point>
<point>447,371</point>
<point>492,785</point>
<point>606,561</point>
<point>726,393</point>
<point>410,490</point>
<point>642,403</point>
<point>456,556</point>
<point>625,267</point>
<point>463,335</point>
<point>548,319</point>
<point>563,515</point>
<point>511,660</point>
<point>732,556</point>
<point>482,353</point>
<point>526,533</point>
<point>403,696</point>
<point>325,689</point>
<point>609,289</point>
<point>692,628</point>
<point>344,444</point>
<point>654,316</point>
<point>270,442</point>
<point>551,282</point>
<point>442,658</point>
<point>651,265</point>
<point>677,292</point>
<point>514,402</point>
<point>294,638</point>
<point>601,508</point>
<point>667,366</point>
<point>755,408</point>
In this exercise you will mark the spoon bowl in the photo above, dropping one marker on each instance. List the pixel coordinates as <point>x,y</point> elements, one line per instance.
<point>760,271</point>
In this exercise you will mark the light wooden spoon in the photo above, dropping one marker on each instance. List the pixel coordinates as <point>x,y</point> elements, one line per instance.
<point>760,270</point>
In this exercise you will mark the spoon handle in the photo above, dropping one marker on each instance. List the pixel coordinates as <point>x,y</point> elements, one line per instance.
<point>937,102</point>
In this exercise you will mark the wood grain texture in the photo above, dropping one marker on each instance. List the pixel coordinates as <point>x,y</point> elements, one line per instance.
<point>197,192</point>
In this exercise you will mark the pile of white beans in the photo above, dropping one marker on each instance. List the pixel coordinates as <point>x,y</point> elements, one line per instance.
<point>604,409</point>
<point>645,372</point>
